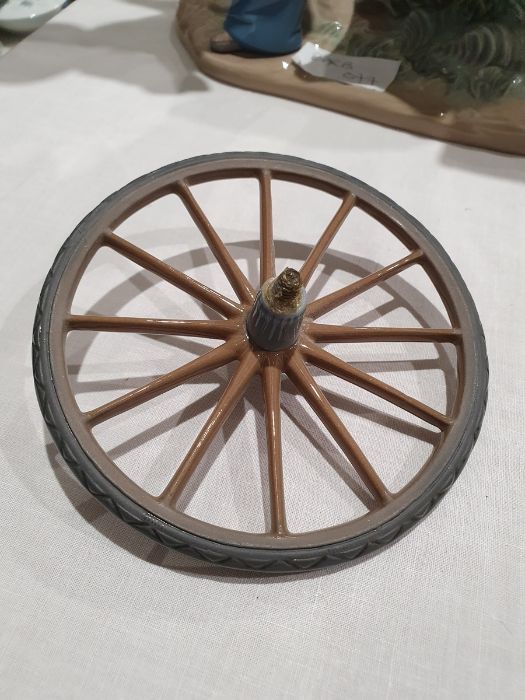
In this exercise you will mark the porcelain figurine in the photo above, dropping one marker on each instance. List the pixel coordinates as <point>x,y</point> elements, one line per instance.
<point>461,63</point>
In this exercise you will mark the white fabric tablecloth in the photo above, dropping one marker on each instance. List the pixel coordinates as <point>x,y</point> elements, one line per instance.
<point>92,609</point>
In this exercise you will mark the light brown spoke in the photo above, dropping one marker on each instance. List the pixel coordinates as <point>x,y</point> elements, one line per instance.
<point>301,377</point>
<point>152,326</point>
<point>325,332</point>
<point>267,245</point>
<point>238,281</point>
<point>334,365</point>
<point>199,291</point>
<point>271,382</point>
<point>330,301</point>
<point>205,363</point>
<point>322,244</point>
<point>248,366</point>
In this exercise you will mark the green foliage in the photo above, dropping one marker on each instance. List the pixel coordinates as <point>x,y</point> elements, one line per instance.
<point>477,46</point>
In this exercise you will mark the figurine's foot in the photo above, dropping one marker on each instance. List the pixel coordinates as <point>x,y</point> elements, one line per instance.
<point>223,43</point>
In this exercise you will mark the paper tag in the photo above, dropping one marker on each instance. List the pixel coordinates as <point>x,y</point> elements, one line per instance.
<point>371,73</point>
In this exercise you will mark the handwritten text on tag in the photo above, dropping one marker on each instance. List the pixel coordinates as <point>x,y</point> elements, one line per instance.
<point>371,73</point>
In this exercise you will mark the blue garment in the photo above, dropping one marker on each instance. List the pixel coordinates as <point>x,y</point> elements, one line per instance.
<point>266,26</point>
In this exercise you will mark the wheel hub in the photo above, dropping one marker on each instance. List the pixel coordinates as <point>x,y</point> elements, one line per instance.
<point>274,322</point>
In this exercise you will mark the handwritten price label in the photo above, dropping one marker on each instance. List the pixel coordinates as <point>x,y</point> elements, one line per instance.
<point>371,73</point>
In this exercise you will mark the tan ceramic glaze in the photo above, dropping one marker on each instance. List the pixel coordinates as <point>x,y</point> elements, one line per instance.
<point>98,231</point>
<point>498,126</point>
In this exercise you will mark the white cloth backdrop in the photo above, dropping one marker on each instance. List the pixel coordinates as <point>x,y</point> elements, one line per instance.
<point>90,608</point>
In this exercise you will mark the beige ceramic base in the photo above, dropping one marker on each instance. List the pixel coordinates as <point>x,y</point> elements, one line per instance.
<point>498,126</point>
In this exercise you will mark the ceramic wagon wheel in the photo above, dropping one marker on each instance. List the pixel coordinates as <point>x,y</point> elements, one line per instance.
<point>268,328</point>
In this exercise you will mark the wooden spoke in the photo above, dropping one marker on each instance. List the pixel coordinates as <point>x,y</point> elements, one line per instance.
<point>327,333</point>
<point>339,368</point>
<point>199,291</point>
<point>151,326</point>
<point>322,244</point>
<point>238,281</point>
<point>266,235</point>
<point>271,382</point>
<point>301,377</point>
<point>330,301</point>
<point>248,366</point>
<point>209,361</point>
